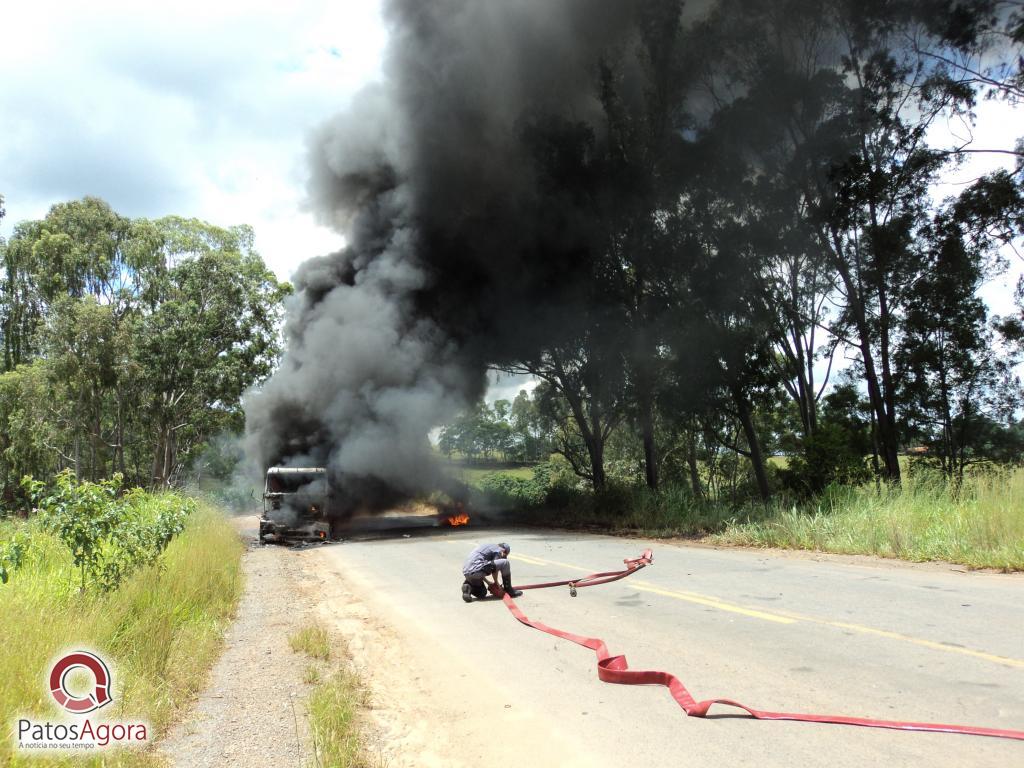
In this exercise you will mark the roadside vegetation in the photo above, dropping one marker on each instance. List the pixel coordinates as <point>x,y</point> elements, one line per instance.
<point>976,521</point>
<point>149,581</point>
<point>334,704</point>
<point>312,641</point>
<point>333,711</point>
<point>779,300</point>
<point>979,524</point>
<point>125,347</point>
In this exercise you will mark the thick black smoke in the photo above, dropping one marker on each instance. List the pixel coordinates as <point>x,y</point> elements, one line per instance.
<point>458,255</point>
<point>465,186</point>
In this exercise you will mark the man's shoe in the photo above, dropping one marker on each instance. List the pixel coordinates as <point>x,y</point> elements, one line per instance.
<point>467,592</point>
<point>513,592</point>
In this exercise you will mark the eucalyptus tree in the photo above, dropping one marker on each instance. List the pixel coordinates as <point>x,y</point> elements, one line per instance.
<point>832,108</point>
<point>212,333</point>
<point>584,399</point>
<point>643,91</point>
<point>957,384</point>
<point>80,248</point>
<point>128,342</point>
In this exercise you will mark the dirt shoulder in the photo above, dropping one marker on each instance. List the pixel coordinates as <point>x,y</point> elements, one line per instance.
<point>252,712</point>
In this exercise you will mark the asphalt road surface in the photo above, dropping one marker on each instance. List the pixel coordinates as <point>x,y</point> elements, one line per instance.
<point>775,631</point>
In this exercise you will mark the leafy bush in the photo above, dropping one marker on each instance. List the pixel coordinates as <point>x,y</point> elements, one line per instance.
<point>12,555</point>
<point>108,535</point>
<point>507,490</point>
<point>672,510</point>
<point>552,483</point>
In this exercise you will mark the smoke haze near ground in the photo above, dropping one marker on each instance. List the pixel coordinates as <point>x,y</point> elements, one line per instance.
<point>456,257</point>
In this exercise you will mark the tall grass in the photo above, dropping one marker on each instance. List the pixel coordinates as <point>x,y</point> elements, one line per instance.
<point>670,511</point>
<point>980,525</point>
<point>334,704</point>
<point>160,630</point>
<point>334,707</point>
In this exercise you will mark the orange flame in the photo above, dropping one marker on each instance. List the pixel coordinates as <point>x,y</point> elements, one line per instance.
<point>459,519</point>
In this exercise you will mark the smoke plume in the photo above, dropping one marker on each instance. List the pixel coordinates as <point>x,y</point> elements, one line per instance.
<point>459,254</point>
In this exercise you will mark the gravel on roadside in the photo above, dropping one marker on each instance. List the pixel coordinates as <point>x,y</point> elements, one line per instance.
<point>252,712</point>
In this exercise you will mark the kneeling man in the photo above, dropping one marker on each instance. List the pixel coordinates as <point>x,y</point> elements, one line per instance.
<point>487,560</point>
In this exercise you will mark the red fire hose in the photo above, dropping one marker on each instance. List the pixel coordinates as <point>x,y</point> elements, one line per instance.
<point>615,669</point>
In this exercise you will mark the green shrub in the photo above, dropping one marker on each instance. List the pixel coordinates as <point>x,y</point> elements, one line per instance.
<point>507,490</point>
<point>672,510</point>
<point>12,555</point>
<point>108,535</point>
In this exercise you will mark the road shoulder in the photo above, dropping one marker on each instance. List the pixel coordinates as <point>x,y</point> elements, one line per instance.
<point>252,711</point>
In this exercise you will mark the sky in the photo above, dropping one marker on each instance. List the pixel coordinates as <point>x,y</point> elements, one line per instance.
<point>997,126</point>
<point>189,108</point>
<point>203,109</point>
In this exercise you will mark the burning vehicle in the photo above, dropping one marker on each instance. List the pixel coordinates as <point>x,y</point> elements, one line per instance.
<point>296,505</point>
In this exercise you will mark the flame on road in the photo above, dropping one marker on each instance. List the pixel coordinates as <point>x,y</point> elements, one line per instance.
<point>459,519</point>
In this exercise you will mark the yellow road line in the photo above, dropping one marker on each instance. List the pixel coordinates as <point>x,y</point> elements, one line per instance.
<point>538,561</point>
<point>785,617</point>
<point>687,596</point>
<point>721,605</point>
<point>934,645</point>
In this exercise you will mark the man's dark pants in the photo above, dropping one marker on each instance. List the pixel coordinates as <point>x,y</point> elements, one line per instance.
<point>476,580</point>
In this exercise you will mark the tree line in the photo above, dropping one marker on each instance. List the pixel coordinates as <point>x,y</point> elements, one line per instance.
<point>127,342</point>
<point>517,431</point>
<point>770,204</point>
<point>763,204</point>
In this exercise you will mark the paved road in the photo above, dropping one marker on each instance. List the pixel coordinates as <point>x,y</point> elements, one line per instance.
<point>775,631</point>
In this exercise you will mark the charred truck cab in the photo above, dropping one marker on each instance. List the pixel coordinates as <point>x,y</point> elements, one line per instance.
<point>295,505</point>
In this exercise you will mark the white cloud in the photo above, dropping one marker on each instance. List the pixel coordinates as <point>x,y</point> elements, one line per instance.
<point>191,108</point>
<point>201,108</point>
<point>507,386</point>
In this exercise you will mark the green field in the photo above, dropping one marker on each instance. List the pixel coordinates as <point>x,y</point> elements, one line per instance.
<point>475,475</point>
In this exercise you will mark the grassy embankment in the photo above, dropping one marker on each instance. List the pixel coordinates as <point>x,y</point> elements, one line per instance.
<point>160,629</point>
<point>981,525</point>
<point>334,702</point>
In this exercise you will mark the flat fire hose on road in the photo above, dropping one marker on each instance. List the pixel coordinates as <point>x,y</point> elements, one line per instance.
<point>615,669</point>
